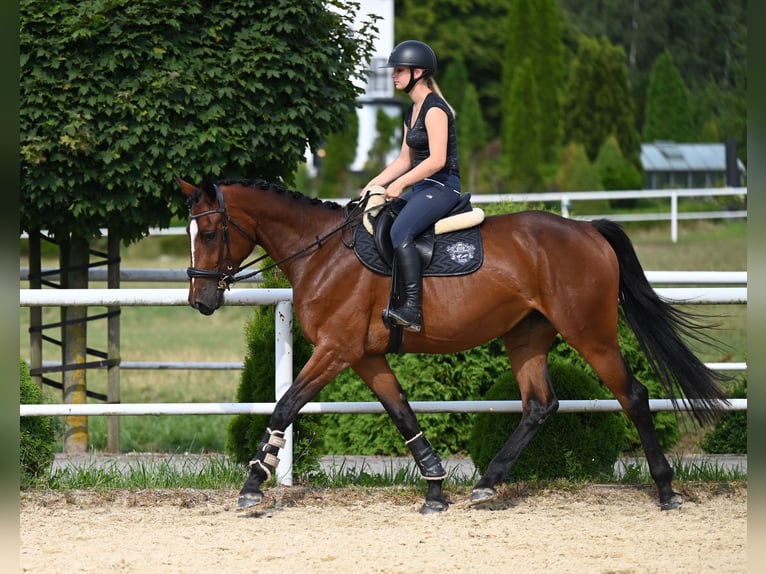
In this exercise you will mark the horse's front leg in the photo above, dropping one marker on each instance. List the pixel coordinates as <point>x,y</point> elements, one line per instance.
<point>377,374</point>
<point>318,371</point>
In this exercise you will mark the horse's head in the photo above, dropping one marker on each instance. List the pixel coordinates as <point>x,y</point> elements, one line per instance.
<point>215,252</point>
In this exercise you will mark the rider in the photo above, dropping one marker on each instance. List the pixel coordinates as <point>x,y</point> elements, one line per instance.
<point>427,161</point>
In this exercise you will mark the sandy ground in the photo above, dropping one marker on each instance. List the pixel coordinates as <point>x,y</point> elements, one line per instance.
<point>586,529</point>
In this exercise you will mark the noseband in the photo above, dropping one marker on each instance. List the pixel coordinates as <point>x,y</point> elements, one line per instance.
<point>224,277</point>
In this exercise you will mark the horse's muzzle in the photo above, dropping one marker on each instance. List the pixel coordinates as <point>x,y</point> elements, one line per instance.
<point>205,299</point>
<point>202,308</point>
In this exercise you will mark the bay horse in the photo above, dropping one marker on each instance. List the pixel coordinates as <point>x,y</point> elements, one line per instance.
<point>542,274</point>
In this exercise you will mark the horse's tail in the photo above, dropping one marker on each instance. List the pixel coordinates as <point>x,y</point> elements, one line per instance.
<point>658,326</point>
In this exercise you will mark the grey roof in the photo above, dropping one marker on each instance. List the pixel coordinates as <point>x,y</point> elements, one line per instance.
<point>671,156</point>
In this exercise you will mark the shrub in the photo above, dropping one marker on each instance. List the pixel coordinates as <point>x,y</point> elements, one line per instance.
<point>465,375</point>
<point>257,385</point>
<point>729,436</point>
<point>458,376</point>
<point>665,423</point>
<point>571,445</point>
<point>36,434</point>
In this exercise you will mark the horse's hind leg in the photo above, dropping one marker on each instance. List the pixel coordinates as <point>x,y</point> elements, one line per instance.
<point>527,346</point>
<point>634,398</point>
<point>611,367</point>
<point>377,375</point>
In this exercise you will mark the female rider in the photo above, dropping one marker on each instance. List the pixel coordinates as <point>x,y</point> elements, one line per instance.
<point>427,163</point>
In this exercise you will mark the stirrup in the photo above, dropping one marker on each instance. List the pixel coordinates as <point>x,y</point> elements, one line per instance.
<point>413,324</point>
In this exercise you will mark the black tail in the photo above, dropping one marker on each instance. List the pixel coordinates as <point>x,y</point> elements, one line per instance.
<point>658,327</point>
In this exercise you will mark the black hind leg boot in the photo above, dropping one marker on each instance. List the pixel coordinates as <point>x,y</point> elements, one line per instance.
<point>410,314</point>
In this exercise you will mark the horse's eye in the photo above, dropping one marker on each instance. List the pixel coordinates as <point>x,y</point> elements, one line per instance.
<point>209,236</point>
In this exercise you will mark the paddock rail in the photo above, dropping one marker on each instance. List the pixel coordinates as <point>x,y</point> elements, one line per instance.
<point>282,298</point>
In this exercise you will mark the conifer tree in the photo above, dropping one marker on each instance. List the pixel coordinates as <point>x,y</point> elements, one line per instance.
<point>668,109</point>
<point>534,33</point>
<point>521,39</point>
<point>576,172</point>
<point>549,73</point>
<point>523,137</point>
<point>454,82</point>
<point>471,135</point>
<point>615,171</point>
<point>597,100</point>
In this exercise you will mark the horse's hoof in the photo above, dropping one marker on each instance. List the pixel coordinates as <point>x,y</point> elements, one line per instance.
<point>673,503</point>
<point>434,507</point>
<point>482,496</point>
<point>249,499</point>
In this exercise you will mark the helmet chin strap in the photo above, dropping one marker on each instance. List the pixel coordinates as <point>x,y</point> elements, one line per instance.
<point>413,80</point>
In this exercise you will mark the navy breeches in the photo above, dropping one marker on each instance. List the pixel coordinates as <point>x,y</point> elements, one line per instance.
<point>427,202</point>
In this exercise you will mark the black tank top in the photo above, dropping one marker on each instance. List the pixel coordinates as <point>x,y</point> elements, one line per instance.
<point>417,135</point>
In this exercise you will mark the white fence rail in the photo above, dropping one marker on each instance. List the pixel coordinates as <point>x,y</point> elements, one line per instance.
<point>567,199</point>
<point>282,298</point>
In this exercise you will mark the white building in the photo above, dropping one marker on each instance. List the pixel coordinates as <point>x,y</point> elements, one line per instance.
<point>669,164</point>
<point>379,87</point>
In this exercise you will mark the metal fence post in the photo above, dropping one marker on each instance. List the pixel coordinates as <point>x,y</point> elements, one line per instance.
<point>283,361</point>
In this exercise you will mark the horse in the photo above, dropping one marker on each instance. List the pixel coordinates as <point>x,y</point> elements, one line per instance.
<point>542,275</point>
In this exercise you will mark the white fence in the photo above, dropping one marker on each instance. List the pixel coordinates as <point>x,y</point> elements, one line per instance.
<point>567,199</point>
<point>282,298</point>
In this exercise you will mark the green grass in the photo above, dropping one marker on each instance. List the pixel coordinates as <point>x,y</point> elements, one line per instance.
<point>685,470</point>
<point>222,473</point>
<point>182,334</point>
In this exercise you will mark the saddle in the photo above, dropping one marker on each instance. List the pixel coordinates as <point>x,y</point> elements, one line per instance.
<point>452,246</point>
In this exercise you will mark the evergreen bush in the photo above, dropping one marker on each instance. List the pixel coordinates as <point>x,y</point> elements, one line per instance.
<point>571,445</point>
<point>466,375</point>
<point>729,436</point>
<point>36,434</point>
<point>458,376</point>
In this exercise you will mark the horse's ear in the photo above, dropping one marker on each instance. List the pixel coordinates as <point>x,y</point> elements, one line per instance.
<point>208,188</point>
<point>186,187</point>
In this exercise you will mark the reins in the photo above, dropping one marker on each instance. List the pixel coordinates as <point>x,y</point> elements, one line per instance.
<point>353,211</point>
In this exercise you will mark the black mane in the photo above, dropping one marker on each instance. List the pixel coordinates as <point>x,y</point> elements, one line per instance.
<point>281,190</point>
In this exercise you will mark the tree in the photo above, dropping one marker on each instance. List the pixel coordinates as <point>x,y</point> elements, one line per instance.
<point>522,140</point>
<point>614,170</point>
<point>118,97</point>
<point>471,136</point>
<point>706,38</point>
<point>576,172</point>
<point>339,152</point>
<point>668,113</point>
<point>549,70</point>
<point>534,35</point>
<point>476,31</point>
<point>388,138</point>
<point>454,82</point>
<point>521,45</point>
<point>597,100</point>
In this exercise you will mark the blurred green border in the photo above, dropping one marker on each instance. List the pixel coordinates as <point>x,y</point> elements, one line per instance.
<point>756,263</point>
<point>9,311</point>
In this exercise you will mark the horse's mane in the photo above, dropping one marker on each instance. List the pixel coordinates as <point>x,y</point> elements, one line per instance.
<point>281,190</point>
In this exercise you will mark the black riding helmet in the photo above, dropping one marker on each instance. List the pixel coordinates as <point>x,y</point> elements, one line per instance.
<point>413,54</point>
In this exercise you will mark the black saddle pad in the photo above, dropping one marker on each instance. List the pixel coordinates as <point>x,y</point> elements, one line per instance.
<point>455,253</point>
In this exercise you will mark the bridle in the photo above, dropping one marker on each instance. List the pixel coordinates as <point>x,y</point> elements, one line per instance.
<point>225,277</point>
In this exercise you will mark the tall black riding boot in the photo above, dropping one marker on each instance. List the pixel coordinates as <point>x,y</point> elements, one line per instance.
<point>407,261</point>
